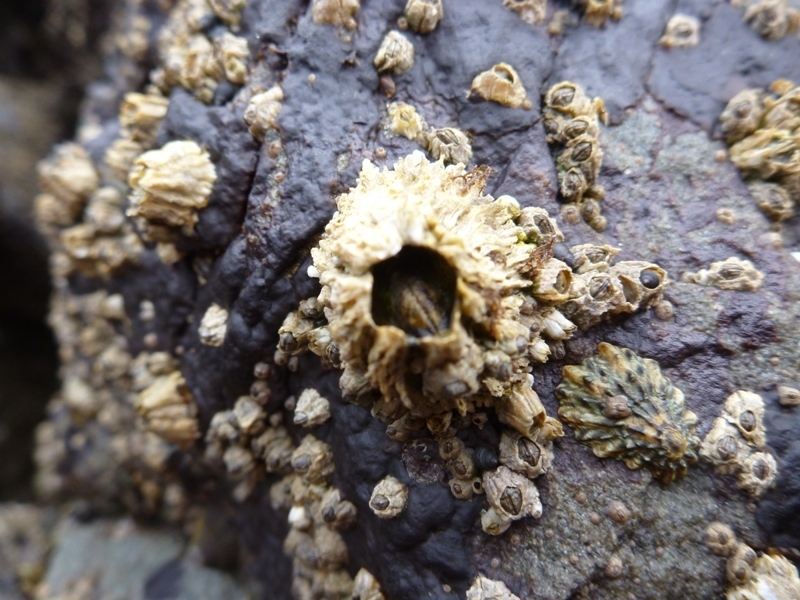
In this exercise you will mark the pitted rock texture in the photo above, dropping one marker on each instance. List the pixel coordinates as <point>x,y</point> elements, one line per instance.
<point>664,183</point>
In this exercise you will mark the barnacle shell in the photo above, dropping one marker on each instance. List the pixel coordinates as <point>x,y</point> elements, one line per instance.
<point>262,111</point>
<point>403,119</point>
<point>366,587</point>
<point>530,11</point>
<point>389,498</point>
<point>596,12</point>
<point>213,326</point>
<point>313,459</point>
<point>168,409</point>
<point>311,409</point>
<point>526,456</point>
<point>683,31</point>
<point>511,495</point>
<point>771,577</point>
<point>745,410</point>
<point>335,12</point>
<point>772,19</point>
<point>742,114</point>
<point>141,115</point>
<point>396,54</point>
<point>723,447</point>
<point>788,396</point>
<point>656,431</point>
<point>483,588</point>
<point>720,539</point>
<point>424,15</point>
<point>758,473</point>
<point>449,144</point>
<point>232,54</point>
<point>171,184</point>
<point>501,84</point>
<point>730,274</point>
<point>773,199</point>
<point>740,564</point>
<point>69,175</point>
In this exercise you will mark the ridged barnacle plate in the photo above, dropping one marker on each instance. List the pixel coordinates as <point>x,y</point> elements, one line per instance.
<point>623,407</point>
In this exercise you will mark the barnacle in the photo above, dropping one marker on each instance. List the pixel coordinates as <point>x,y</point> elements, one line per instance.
<point>623,407</point>
<point>683,31</point>
<point>168,409</point>
<point>141,115</point>
<point>389,498</point>
<point>449,144</point>
<point>530,11</point>
<point>500,84</point>
<point>424,15</point>
<point>740,563</point>
<point>511,497</point>
<point>730,274</point>
<point>232,53</point>
<point>396,54</point>
<point>770,576</point>
<point>403,119</point>
<point>720,539</point>
<point>213,326</point>
<point>772,19</point>
<point>597,12</point>
<point>366,587</point>
<point>335,12</point>
<point>742,115</point>
<point>758,473</point>
<point>228,11</point>
<point>67,175</point>
<point>483,588</point>
<point>788,396</point>
<point>526,456</point>
<point>262,111</point>
<point>311,409</point>
<point>313,460</point>
<point>169,186</point>
<point>773,199</point>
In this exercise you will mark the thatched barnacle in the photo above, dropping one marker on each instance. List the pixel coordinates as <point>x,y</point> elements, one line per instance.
<point>396,54</point>
<point>335,12</point>
<point>424,15</point>
<point>651,428</point>
<point>772,19</point>
<point>500,84</point>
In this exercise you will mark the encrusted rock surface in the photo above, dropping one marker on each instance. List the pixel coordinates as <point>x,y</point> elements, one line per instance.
<point>604,531</point>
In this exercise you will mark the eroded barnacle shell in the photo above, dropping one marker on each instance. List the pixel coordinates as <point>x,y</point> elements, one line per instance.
<point>501,84</point>
<point>389,498</point>
<point>723,447</point>
<point>656,432</point>
<point>530,11</point>
<point>523,455</point>
<point>396,54</point>
<point>169,186</point>
<point>311,409</point>
<point>483,588</point>
<point>366,587</point>
<point>403,119</point>
<point>773,199</point>
<point>335,12</point>
<point>262,111</point>
<point>745,410</point>
<point>228,11</point>
<point>511,497</point>
<point>742,115</point>
<point>449,144</point>
<point>683,31</point>
<point>730,274</point>
<point>553,281</point>
<point>538,227</point>
<point>770,576</point>
<point>168,410</point>
<point>772,19</point>
<point>597,12</point>
<point>720,539</point>
<point>213,326</point>
<point>313,460</point>
<point>424,15</point>
<point>758,473</point>
<point>250,416</point>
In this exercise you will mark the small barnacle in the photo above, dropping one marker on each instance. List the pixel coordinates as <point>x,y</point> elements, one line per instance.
<point>745,410</point>
<point>170,185</point>
<point>784,111</point>
<point>168,410</point>
<point>758,473</point>
<point>366,587</point>
<point>389,498</point>
<point>500,84</point>
<point>530,11</point>
<point>121,155</point>
<point>274,446</point>
<point>228,11</point>
<point>730,274</point>
<point>589,257</point>
<point>568,98</point>
<point>335,511</point>
<point>262,111</point>
<point>614,567</point>
<point>403,119</point>
<point>313,459</point>
<point>142,114</point>
<point>449,144</point>
<point>772,19</point>
<point>723,447</point>
<point>312,409</point>
<point>511,497</point>
<point>239,462</point>
<point>523,455</point>
<point>396,54</point>
<point>213,326</point>
<point>659,432</point>
<point>720,539</point>
<point>538,227</point>
<point>232,54</point>
<point>424,15</point>
<point>740,564</point>
<point>250,416</point>
<point>463,465</point>
<point>597,12</point>
<point>773,199</point>
<point>772,576</point>
<point>683,31</point>
<point>788,396</point>
<point>69,175</point>
<point>335,12</point>
<point>483,588</point>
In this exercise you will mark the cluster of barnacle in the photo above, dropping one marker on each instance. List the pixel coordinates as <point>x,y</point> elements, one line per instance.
<point>24,545</point>
<point>761,128</point>
<point>735,445</point>
<point>597,12</point>
<point>751,576</point>
<point>730,274</point>
<point>682,31</point>
<point>196,56</point>
<point>772,19</point>
<point>572,125</point>
<point>441,299</point>
<point>623,407</point>
<point>448,144</point>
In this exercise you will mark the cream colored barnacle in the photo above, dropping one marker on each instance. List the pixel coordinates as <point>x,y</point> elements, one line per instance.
<point>788,396</point>
<point>389,498</point>
<point>141,115</point>
<point>68,176</point>
<point>483,588</point>
<point>530,11</point>
<point>500,84</point>
<point>449,145</point>
<point>597,12</point>
<point>720,539</point>
<point>511,497</point>
<point>772,19</point>
<point>758,474</point>
<point>768,576</point>
<point>773,199</point>
<point>623,407</point>
<point>729,274</point>
<point>313,460</point>
<point>742,115</point>
<point>311,409</point>
<point>262,111</point>
<point>213,326</point>
<point>745,411</point>
<point>523,455</point>
<point>396,54</point>
<point>366,587</point>
<point>335,12</point>
<point>424,15</point>
<point>168,410</point>
<point>232,54</point>
<point>169,186</point>
<point>683,31</point>
<point>403,119</point>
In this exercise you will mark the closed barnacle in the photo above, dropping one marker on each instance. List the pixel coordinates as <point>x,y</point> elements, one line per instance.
<point>745,411</point>
<point>141,115</point>
<point>572,184</point>
<point>313,460</point>
<point>228,11</point>
<point>335,511</point>
<point>511,496</point>
<point>461,488</point>
<point>424,15</point>
<point>740,564</point>
<point>590,257</point>
<point>659,432</point>
<point>366,587</point>
<point>483,588</point>
<point>759,471</point>
<point>168,410</point>
<point>311,409</point>
<point>396,54</point>
<point>500,84</point>
<point>720,539</point>
<point>591,213</point>
<point>335,12</point>
<point>450,447</point>
<point>538,227</point>
<point>403,119</point>
<point>250,416</point>
<point>450,145</point>
<point>568,98</point>
<point>773,199</point>
<point>523,455</point>
<point>723,447</point>
<point>530,11</point>
<point>68,174</point>
<point>788,396</point>
<point>213,326</point>
<point>463,465</point>
<point>274,446</point>
<point>772,19</point>
<point>683,31</point>
<point>262,111</point>
<point>773,576</point>
<point>597,12</point>
<point>239,462</point>
<point>389,498</point>
<point>232,53</point>
<point>730,274</point>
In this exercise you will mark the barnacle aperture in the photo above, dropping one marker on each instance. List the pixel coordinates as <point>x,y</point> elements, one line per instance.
<point>415,291</point>
<point>623,407</point>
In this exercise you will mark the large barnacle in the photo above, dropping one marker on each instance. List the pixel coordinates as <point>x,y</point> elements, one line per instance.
<point>511,497</point>
<point>389,498</point>
<point>500,84</point>
<point>623,407</point>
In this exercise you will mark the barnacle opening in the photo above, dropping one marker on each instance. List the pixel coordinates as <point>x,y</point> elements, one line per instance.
<point>414,290</point>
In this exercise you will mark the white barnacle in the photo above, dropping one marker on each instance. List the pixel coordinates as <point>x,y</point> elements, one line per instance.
<point>395,55</point>
<point>312,409</point>
<point>213,326</point>
<point>389,498</point>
